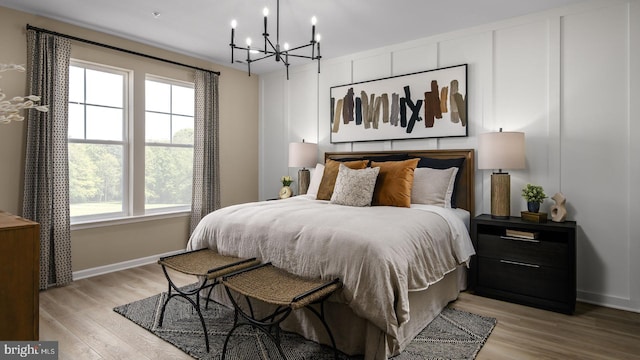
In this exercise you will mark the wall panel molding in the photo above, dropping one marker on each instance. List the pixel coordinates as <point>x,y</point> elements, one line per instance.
<point>569,78</point>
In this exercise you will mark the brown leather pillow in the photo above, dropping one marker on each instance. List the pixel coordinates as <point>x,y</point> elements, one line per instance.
<point>394,184</point>
<point>330,174</point>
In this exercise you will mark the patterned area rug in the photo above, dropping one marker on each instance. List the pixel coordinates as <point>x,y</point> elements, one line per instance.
<point>454,334</point>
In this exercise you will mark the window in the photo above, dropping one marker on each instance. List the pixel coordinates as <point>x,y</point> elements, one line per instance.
<point>169,108</point>
<point>109,141</point>
<point>97,141</point>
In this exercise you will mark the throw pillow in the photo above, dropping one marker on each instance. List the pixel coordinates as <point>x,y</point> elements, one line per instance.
<point>394,184</point>
<point>354,187</point>
<point>445,164</point>
<point>330,173</point>
<point>433,186</point>
<point>314,184</point>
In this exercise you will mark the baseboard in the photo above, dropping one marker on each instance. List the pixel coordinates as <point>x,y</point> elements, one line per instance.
<point>608,301</point>
<point>100,270</point>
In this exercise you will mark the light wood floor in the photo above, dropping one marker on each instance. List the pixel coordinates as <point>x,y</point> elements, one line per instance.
<point>81,319</point>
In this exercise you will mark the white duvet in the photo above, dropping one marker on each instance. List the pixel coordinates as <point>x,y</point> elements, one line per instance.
<point>380,253</point>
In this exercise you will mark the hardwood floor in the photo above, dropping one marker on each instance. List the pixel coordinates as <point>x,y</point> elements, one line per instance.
<point>81,319</point>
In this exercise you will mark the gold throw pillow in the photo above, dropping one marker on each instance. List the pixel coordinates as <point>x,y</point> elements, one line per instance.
<point>330,174</point>
<point>394,184</point>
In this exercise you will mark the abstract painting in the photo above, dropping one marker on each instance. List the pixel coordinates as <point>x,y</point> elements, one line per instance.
<point>424,104</point>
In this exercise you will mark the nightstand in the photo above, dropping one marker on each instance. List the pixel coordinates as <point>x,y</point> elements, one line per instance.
<point>535,268</point>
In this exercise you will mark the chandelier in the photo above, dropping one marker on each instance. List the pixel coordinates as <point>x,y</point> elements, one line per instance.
<point>274,50</point>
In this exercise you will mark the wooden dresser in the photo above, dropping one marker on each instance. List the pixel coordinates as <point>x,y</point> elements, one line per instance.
<point>19,278</point>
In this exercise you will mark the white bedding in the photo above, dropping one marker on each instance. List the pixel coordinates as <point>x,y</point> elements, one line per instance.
<point>380,253</point>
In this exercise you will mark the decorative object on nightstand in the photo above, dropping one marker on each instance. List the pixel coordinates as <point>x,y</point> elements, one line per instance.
<point>498,151</point>
<point>526,263</point>
<point>285,191</point>
<point>536,217</point>
<point>558,210</point>
<point>303,155</point>
<point>534,194</point>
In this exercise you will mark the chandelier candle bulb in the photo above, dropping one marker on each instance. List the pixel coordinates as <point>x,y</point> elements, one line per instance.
<point>265,34</point>
<point>265,12</point>
<point>313,28</point>
<point>234,23</point>
<point>233,31</point>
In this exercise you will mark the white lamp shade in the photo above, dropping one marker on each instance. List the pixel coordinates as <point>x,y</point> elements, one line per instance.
<point>501,150</point>
<point>303,154</point>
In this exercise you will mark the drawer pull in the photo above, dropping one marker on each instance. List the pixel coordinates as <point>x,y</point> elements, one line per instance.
<point>519,239</point>
<point>519,263</point>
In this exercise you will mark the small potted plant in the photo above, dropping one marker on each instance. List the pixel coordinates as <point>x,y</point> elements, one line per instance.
<point>534,194</point>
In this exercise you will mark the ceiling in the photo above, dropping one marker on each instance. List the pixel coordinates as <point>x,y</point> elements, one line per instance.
<point>201,28</point>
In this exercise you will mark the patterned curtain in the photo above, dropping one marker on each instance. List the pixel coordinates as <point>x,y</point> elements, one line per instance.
<point>46,175</point>
<point>206,164</point>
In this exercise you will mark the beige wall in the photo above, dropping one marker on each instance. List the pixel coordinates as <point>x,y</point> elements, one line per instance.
<point>238,138</point>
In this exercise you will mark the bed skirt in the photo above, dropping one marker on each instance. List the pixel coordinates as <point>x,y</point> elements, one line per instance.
<point>355,335</point>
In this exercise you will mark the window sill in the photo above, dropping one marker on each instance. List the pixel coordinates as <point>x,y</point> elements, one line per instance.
<point>128,220</point>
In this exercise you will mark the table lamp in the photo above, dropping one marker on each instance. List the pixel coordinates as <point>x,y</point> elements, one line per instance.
<point>500,151</point>
<point>303,155</point>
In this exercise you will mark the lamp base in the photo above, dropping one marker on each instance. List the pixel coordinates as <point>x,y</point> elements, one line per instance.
<point>500,195</point>
<point>304,177</point>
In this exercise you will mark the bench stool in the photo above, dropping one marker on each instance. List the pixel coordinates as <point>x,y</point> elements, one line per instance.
<point>275,286</point>
<point>209,266</point>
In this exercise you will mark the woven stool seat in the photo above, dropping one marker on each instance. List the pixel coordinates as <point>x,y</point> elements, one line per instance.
<point>206,262</point>
<point>278,287</point>
<point>209,266</point>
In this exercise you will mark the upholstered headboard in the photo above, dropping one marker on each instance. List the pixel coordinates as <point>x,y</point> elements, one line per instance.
<point>465,184</point>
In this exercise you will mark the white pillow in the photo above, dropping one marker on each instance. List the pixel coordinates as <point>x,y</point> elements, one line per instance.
<point>354,187</point>
<point>316,178</point>
<point>433,186</point>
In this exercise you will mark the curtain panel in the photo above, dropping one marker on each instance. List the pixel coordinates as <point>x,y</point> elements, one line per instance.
<point>46,175</point>
<point>206,162</point>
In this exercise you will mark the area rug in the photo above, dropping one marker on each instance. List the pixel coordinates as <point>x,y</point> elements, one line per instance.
<point>454,334</point>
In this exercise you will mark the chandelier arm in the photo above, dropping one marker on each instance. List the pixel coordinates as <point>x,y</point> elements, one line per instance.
<point>264,57</point>
<point>302,56</point>
<point>299,47</point>
<point>254,50</point>
<point>275,50</point>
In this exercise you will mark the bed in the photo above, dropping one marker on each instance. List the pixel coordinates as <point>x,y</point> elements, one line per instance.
<point>399,265</point>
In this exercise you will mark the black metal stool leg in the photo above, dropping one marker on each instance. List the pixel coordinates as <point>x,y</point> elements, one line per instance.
<point>258,324</point>
<point>185,295</point>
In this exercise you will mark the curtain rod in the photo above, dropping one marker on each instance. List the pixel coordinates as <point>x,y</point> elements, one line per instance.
<point>29,27</point>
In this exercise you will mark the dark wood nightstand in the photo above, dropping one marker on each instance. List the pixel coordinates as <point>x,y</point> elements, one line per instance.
<point>539,272</point>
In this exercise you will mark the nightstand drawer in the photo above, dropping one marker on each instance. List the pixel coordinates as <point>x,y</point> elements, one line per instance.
<point>523,278</point>
<point>538,251</point>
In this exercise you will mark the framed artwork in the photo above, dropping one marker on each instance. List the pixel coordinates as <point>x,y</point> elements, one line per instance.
<point>424,104</point>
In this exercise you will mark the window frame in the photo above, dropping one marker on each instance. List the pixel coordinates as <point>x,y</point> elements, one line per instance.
<point>171,82</point>
<point>125,142</point>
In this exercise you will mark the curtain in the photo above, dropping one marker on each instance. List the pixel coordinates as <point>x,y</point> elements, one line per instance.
<point>206,164</point>
<point>46,175</point>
